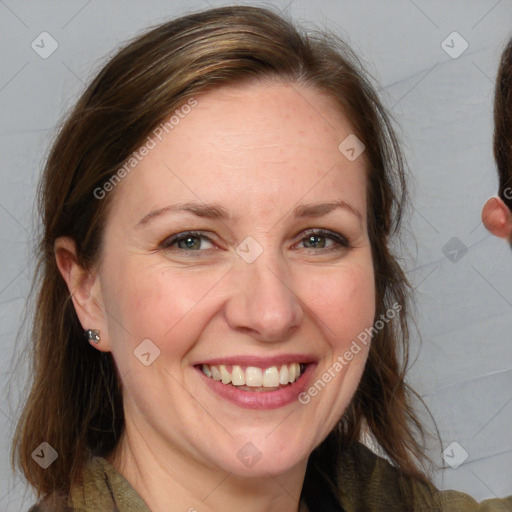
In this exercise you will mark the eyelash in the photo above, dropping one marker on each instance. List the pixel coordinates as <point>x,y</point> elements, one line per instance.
<point>340,241</point>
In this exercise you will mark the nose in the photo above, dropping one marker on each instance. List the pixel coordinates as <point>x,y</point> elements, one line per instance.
<point>263,302</point>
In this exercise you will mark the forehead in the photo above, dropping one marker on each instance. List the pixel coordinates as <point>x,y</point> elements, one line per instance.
<point>259,113</point>
<point>248,144</point>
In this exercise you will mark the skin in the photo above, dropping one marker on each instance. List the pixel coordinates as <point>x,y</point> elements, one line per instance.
<point>259,150</point>
<point>497,218</point>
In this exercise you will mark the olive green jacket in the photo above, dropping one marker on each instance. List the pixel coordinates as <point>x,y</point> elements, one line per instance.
<point>366,483</point>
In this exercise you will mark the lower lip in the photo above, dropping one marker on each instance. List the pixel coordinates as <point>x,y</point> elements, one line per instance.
<point>261,399</point>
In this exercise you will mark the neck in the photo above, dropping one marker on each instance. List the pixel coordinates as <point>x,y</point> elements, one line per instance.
<point>162,475</point>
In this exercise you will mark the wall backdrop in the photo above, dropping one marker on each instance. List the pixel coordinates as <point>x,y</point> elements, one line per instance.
<point>435,64</point>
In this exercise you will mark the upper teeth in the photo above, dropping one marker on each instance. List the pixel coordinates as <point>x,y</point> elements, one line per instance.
<point>253,376</point>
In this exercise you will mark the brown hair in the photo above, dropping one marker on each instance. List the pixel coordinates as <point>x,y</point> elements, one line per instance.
<point>503,125</point>
<point>75,403</point>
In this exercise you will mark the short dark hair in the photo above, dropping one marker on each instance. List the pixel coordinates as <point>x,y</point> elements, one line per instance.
<point>503,125</point>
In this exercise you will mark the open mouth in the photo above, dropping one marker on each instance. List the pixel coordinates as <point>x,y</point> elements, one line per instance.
<point>253,378</point>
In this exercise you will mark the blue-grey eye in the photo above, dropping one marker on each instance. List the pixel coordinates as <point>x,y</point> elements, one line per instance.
<point>318,240</point>
<point>187,242</point>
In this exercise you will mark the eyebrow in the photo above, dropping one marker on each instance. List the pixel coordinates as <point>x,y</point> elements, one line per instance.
<point>215,211</point>
<point>320,209</point>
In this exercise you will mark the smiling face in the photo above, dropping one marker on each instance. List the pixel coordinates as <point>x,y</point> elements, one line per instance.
<point>267,283</point>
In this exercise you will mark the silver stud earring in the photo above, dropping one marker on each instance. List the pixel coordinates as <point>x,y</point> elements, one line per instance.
<point>93,335</point>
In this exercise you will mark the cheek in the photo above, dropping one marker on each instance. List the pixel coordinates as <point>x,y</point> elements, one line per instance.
<point>343,301</point>
<point>156,302</point>
<point>344,304</point>
<point>171,306</point>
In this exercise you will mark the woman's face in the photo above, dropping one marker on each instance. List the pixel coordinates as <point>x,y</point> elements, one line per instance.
<point>271,278</point>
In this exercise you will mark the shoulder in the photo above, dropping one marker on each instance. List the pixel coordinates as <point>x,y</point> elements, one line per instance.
<point>101,488</point>
<point>369,482</point>
<point>91,493</point>
<point>365,479</point>
<point>50,504</point>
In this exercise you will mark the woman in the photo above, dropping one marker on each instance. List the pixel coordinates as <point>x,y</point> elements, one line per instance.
<point>217,211</point>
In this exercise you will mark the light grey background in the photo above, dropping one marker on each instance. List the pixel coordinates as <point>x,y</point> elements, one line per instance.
<point>444,108</point>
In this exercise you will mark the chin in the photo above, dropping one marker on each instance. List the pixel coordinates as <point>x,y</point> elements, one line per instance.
<point>259,460</point>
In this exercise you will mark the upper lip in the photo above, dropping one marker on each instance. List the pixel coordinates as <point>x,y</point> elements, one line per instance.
<point>261,362</point>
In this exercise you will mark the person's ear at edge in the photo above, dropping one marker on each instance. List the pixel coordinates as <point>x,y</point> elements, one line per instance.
<point>497,218</point>
<point>84,288</point>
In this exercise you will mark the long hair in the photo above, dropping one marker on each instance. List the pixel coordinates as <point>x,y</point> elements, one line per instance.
<point>75,403</point>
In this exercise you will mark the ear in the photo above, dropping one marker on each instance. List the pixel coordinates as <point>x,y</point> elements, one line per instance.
<point>497,218</point>
<point>84,288</point>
